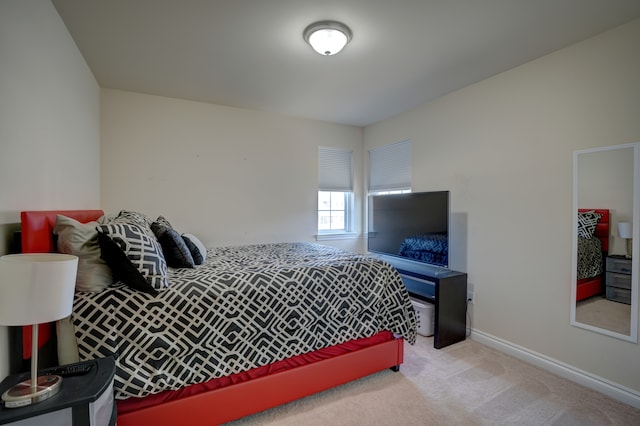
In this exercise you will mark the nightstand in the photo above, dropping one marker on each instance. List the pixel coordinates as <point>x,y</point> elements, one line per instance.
<point>83,400</point>
<point>618,279</point>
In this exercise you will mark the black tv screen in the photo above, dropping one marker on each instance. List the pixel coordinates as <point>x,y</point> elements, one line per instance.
<point>413,226</point>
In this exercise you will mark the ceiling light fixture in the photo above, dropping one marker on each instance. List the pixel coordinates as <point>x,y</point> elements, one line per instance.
<point>327,37</point>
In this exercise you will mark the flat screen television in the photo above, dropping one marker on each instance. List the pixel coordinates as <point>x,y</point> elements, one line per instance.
<point>413,226</point>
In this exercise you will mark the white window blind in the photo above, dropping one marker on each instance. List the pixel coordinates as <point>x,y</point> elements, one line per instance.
<point>390,167</point>
<point>334,167</point>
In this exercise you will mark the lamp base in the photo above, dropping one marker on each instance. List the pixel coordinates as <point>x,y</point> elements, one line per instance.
<point>21,394</point>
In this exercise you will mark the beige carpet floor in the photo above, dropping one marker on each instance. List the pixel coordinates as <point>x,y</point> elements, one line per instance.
<point>603,313</point>
<point>463,384</point>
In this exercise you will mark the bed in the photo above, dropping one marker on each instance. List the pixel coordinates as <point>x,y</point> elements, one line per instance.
<point>593,246</point>
<point>340,316</point>
<point>431,248</point>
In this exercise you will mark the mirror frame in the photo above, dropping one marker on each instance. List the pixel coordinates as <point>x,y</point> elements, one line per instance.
<point>633,336</point>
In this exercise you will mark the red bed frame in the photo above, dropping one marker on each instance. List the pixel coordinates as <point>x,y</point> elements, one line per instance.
<point>238,400</point>
<point>588,287</point>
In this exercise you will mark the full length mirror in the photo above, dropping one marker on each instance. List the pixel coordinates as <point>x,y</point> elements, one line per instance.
<point>604,295</point>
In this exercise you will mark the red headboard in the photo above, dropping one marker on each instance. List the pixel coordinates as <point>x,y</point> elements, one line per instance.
<point>602,229</point>
<point>37,227</point>
<point>37,237</point>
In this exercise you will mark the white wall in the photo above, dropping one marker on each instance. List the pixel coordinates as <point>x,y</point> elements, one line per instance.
<point>49,121</point>
<point>229,175</point>
<point>504,148</point>
<point>605,178</point>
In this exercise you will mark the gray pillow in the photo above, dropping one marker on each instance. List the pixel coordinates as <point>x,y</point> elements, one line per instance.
<point>81,239</point>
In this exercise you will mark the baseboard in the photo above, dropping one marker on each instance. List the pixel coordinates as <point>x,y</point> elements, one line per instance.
<point>591,381</point>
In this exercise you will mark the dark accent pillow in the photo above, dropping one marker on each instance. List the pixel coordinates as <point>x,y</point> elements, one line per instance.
<point>143,265</point>
<point>175,250</point>
<point>161,220</point>
<point>197,249</point>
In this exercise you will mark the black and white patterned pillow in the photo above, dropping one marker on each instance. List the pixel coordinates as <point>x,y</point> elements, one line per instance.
<point>143,267</point>
<point>587,222</point>
<point>141,219</point>
<point>174,248</point>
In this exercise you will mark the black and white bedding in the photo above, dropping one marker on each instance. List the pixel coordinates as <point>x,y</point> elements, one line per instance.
<point>590,261</point>
<point>242,308</point>
<point>431,248</point>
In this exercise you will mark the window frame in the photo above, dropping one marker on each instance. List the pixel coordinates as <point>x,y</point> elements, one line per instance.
<point>335,174</point>
<point>348,214</point>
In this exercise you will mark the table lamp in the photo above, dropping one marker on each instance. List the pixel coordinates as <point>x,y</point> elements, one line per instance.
<point>625,230</point>
<point>35,289</point>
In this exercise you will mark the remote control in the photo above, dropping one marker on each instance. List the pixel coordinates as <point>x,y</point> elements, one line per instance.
<point>71,370</point>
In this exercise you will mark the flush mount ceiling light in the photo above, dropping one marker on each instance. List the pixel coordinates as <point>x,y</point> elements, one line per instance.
<point>327,37</point>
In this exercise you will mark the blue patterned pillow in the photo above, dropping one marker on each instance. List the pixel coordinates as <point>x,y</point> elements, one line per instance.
<point>143,265</point>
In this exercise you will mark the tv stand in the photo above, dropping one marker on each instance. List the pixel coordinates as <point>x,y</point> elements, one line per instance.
<point>446,289</point>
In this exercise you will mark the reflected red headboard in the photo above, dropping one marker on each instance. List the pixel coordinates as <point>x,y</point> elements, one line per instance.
<point>37,237</point>
<point>602,229</point>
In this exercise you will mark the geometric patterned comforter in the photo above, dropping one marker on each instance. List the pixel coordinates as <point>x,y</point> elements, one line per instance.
<point>590,260</point>
<point>245,307</point>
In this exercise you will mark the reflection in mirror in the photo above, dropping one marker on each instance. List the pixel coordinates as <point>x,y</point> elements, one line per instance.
<point>605,275</point>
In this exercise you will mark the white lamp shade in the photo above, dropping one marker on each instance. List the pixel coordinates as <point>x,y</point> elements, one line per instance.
<point>36,288</point>
<point>625,230</point>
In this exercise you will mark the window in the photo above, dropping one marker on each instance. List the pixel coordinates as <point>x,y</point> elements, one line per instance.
<point>334,211</point>
<point>335,191</point>
<point>390,168</point>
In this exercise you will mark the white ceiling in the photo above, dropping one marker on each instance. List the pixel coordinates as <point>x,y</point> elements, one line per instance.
<point>250,53</point>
